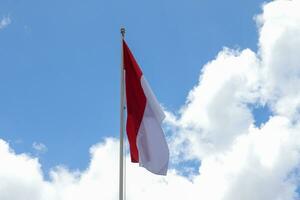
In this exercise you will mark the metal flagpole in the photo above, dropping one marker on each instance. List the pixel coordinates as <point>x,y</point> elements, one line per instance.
<point>121,172</point>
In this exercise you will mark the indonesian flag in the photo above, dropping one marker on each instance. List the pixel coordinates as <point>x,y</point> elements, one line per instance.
<point>148,146</point>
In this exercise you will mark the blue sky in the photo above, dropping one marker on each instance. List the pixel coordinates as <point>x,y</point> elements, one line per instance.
<point>59,73</point>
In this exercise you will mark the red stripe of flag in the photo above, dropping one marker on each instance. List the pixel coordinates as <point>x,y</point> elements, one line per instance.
<point>136,100</point>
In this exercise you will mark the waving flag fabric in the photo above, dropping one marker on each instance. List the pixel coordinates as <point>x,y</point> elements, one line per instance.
<point>147,142</point>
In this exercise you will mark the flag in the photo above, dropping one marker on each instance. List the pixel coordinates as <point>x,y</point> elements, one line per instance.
<point>147,142</point>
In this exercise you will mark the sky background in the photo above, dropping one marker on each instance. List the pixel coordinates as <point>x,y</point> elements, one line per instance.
<point>59,73</point>
<point>226,73</point>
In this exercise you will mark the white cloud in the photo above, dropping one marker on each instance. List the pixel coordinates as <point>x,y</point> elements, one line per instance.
<point>4,22</point>
<point>21,175</point>
<point>215,126</point>
<point>39,147</point>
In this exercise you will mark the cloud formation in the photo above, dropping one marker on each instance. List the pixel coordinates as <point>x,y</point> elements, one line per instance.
<point>39,147</point>
<point>4,22</point>
<point>215,127</point>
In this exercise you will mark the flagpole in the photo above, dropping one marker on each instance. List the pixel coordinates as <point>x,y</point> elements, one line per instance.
<point>122,107</point>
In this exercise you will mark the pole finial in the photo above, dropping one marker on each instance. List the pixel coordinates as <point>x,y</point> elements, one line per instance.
<point>123,32</point>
